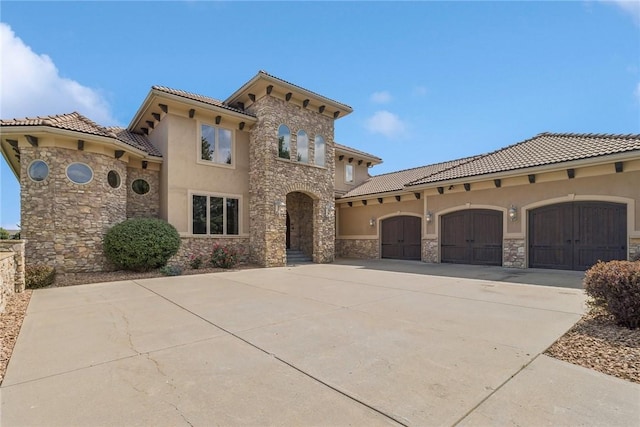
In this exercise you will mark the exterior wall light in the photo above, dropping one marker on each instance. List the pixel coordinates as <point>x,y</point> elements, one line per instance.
<point>280,207</point>
<point>372,222</point>
<point>429,217</point>
<point>513,213</point>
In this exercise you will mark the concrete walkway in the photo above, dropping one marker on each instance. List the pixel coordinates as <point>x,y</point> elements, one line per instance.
<point>373,343</point>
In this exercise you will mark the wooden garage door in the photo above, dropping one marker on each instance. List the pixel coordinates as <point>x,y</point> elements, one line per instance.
<point>472,236</point>
<point>574,236</point>
<point>401,237</point>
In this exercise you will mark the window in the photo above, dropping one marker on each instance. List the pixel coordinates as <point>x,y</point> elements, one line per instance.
<point>284,142</point>
<point>215,215</point>
<point>113,178</point>
<point>303,147</point>
<point>79,173</point>
<point>216,145</point>
<point>319,153</point>
<point>348,173</point>
<point>38,170</point>
<point>140,186</point>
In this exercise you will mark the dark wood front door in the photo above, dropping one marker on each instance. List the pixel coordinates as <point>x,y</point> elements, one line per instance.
<point>401,237</point>
<point>472,236</point>
<point>574,236</point>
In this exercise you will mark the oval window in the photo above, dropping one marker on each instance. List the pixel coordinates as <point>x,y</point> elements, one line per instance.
<point>140,186</point>
<point>113,178</point>
<point>79,173</point>
<point>38,170</point>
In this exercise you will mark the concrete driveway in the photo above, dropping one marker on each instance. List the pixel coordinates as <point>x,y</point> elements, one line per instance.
<point>371,343</point>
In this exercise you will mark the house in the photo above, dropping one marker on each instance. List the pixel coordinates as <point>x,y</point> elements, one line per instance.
<point>261,171</point>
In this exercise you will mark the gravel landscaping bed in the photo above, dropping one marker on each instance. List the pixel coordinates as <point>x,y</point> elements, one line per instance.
<point>595,342</point>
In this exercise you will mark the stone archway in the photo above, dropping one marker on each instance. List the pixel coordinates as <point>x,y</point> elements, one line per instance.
<point>300,227</point>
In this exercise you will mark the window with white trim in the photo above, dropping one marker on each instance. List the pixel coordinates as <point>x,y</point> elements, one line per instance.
<point>218,215</point>
<point>216,144</point>
<point>348,173</point>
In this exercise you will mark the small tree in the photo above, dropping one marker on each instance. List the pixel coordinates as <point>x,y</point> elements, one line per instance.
<point>4,234</point>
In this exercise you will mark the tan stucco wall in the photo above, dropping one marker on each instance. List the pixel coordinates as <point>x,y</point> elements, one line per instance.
<point>354,221</point>
<point>184,174</point>
<point>360,174</point>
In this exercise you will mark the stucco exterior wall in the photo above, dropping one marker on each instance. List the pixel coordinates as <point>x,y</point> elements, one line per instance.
<point>185,173</point>
<point>354,220</point>
<point>360,174</point>
<point>272,178</point>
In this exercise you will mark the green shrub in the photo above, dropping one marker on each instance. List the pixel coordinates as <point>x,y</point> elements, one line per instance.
<point>4,234</point>
<point>141,244</point>
<point>615,286</point>
<point>39,276</point>
<point>224,256</point>
<point>171,270</point>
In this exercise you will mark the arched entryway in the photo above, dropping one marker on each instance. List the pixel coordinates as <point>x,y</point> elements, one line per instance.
<point>575,235</point>
<point>472,236</point>
<point>300,223</point>
<point>401,237</point>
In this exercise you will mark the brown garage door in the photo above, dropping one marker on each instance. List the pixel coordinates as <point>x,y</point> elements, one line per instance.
<point>401,236</point>
<point>472,236</point>
<point>574,236</point>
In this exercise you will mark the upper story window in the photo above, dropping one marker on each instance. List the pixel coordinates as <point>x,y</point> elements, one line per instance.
<point>79,173</point>
<point>216,145</point>
<point>302,146</point>
<point>215,215</point>
<point>348,173</point>
<point>284,142</point>
<point>38,170</point>
<point>319,150</point>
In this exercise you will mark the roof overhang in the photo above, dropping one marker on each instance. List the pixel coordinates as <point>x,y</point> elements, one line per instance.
<point>151,109</point>
<point>356,154</point>
<point>263,84</point>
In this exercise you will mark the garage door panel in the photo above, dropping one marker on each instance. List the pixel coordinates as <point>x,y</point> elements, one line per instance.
<point>401,237</point>
<point>472,236</point>
<point>576,235</point>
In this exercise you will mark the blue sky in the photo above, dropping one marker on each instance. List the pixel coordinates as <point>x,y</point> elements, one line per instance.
<point>428,81</point>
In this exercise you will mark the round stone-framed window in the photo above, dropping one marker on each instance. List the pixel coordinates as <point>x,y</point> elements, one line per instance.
<point>79,173</point>
<point>38,170</point>
<point>140,186</point>
<point>113,178</point>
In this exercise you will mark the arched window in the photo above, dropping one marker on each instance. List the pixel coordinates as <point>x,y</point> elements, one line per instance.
<point>303,147</point>
<point>319,153</point>
<point>284,142</point>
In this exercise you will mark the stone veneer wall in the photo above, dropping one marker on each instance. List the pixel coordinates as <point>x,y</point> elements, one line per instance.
<point>358,248</point>
<point>63,222</point>
<point>143,205</point>
<point>430,250</point>
<point>11,269</point>
<point>202,247</point>
<point>513,253</point>
<point>634,249</point>
<point>271,179</point>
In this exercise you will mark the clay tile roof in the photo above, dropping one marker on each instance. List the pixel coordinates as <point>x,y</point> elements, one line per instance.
<point>201,98</point>
<point>79,123</point>
<point>135,140</point>
<point>543,149</point>
<point>71,121</point>
<point>301,88</point>
<point>353,150</point>
<point>396,181</point>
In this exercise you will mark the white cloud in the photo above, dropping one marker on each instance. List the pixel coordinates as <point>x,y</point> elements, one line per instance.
<point>31,85</point>
<point>382,97</point>
<point>631,7</point>
<point>386,123</point>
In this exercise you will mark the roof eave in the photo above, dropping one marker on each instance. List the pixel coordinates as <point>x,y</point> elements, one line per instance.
<point>552,167</point>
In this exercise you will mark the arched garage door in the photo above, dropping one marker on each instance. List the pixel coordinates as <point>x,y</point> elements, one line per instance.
<point>401,237</point>
<point>574,236</point>
<point>472,236</point>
